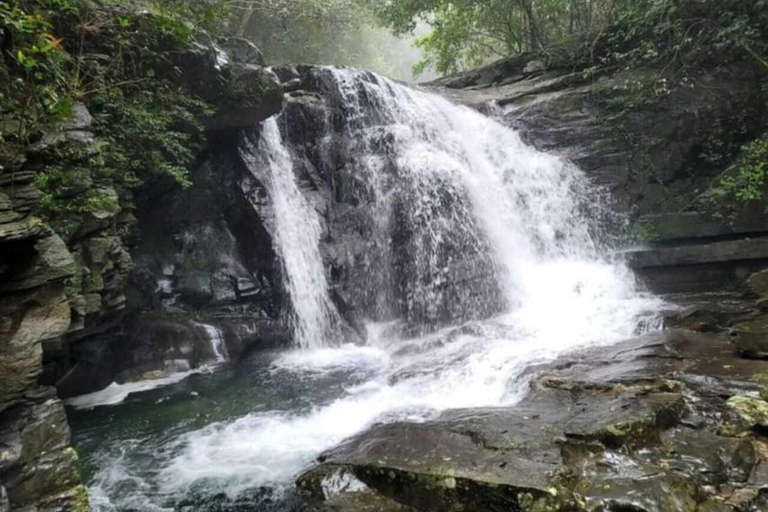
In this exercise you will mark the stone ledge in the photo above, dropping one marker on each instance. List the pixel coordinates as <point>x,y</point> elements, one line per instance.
<point>715,252</point>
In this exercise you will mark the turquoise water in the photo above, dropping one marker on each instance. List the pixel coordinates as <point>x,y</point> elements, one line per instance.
<point>125,448</point>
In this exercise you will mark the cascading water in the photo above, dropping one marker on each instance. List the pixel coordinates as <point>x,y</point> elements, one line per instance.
<point>216,338</point>
<point>296,233</point>
<point>468,231</point>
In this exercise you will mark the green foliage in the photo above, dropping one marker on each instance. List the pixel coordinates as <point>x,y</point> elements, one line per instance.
<point>451,46</point>
<point>743,183</point>
<point>684,33</point>
<point>147,131</point>
<point>159,134</point>
<point>583,33</point>
<point>32,70</point>
<point>469,32</point>
<point>209,15</point>
<point>644,231</point>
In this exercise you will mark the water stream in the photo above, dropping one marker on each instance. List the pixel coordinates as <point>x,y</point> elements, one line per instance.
<point>450,194</point>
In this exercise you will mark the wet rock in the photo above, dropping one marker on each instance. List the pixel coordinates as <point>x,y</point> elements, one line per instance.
<point>495,459</point>
<point>254,94</point>
<point>242,91</point>
<point>706,267</point>
<point>43,473</point>
<point>635,426</point>
<point>244,52</point>
<point>709,317</point>
<point>744,415</point>
<point>758,283</point>
<point>689,226</point>
<point>286,72</point>
<point>663,493</point>
<point>751,337</point>
<point>534,66</point>
<point>195,289</point>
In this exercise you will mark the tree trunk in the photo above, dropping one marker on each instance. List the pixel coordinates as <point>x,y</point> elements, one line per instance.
<point>534,37</point>
<point>6,45</point>
<point>245,20</point>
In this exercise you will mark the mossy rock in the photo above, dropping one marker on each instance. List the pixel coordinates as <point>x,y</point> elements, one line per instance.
<point>751,337</point>
<point>743,415</point>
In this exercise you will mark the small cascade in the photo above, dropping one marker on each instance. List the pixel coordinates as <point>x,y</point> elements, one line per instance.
<point>296,232</point>
<point>216,336</point>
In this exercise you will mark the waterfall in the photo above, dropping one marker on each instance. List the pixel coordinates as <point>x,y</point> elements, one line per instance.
<point>453,210</point>
<point>216,337</point>
<point>472,256</point>
<point>296,233</point>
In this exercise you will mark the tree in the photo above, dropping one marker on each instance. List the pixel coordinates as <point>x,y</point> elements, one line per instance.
<point>467,33</point>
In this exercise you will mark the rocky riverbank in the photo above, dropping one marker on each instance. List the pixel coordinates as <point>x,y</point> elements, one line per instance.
<point>671,421</point>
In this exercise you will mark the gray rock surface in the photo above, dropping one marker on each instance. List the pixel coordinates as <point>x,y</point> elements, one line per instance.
<point>38,468</point>
<point>666,422</point>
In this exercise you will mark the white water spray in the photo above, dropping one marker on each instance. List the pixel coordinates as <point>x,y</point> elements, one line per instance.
<point>296,233</point>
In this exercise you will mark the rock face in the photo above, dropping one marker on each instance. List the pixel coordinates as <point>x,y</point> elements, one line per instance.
<point>147,296</point>
<point>645,146</point>
<point>77,312</point>
<point>231,75</point>
<point>38,468</point>
<point>207,269</point>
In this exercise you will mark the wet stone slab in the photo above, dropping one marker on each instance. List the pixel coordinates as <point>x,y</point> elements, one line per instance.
<point>648,425</point>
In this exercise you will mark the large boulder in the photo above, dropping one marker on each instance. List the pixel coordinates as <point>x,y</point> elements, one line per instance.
<point>758,283</point>
<point>231,76</point>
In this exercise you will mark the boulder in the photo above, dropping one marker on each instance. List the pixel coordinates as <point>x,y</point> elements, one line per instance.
<point>252,95</point>
<point>758,283</point>
<point>534,66</point>
<point>244,52</point>
<point>751,337</point>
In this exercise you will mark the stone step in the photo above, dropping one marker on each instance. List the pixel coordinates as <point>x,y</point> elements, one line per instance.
<point>696,254</point>
<point>694,225</point>
<point>714,266</point>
